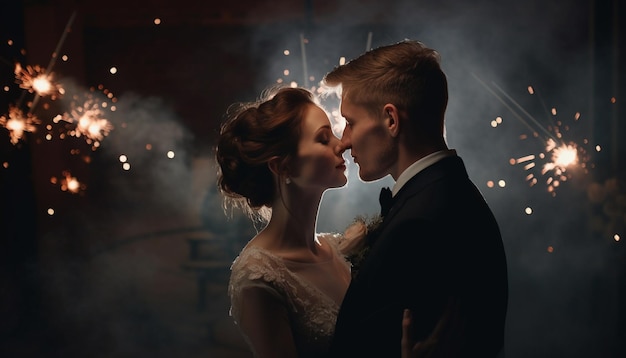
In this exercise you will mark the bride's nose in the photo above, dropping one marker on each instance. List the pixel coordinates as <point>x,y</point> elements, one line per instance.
<point>340,148</point>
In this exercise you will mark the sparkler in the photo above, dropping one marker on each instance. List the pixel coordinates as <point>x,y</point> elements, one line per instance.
<point>17,123</point>
<point>88,115</point>
<point>34,79</point>
<point>37,79</point>
<point>69,183</point>
<point>560,158</point>
<point>55,54</point>
<point>338,122</point>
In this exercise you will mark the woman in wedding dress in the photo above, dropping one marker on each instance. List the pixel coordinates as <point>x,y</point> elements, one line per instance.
<point>278,156</point>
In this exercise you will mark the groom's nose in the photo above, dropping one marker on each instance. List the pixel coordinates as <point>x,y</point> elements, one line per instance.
<point>346,143</point>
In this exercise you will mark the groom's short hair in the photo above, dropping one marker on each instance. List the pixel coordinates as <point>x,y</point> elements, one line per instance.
<point>407,74</point>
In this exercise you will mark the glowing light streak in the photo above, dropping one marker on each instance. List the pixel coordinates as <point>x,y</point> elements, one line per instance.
<point>521,119</point>
<point>305,69</point>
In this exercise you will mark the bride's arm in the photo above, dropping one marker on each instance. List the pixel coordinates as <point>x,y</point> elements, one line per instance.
<point>265,323</point>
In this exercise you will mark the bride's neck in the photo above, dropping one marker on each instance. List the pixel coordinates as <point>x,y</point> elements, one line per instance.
<point>292,225</point>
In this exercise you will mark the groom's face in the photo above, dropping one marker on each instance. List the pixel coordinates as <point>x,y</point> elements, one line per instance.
<point>369,141</point>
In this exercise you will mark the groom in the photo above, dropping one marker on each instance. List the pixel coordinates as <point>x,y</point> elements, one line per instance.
<point>438,251</point>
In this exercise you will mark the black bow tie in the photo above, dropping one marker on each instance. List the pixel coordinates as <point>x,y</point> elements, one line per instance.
<point>386,201</point>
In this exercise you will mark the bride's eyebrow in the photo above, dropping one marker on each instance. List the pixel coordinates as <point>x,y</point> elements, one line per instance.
<point>323,128</point>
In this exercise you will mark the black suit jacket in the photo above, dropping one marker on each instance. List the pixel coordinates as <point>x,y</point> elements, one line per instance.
<point>439,241</point>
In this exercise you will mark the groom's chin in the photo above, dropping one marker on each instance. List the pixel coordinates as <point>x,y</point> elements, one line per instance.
<point>370,179</point>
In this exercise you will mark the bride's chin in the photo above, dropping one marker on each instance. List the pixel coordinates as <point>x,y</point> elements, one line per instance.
<point>342,183</point>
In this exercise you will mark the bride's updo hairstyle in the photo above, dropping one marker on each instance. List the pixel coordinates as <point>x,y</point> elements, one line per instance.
<point>252,134</point>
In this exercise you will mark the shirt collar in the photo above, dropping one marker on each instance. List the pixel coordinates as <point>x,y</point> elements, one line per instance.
<point>420,165</point>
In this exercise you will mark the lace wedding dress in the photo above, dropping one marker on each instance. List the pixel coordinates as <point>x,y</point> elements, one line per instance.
<point>309,292</point>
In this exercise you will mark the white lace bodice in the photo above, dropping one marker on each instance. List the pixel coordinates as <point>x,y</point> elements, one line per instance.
<point>310,292</point>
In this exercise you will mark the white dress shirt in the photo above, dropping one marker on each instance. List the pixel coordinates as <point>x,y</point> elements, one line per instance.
<point>420,165</point>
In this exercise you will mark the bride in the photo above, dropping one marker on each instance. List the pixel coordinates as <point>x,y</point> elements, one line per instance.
<point>288,282</point>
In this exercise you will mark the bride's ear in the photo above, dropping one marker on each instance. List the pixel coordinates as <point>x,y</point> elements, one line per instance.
<point>277,167</point>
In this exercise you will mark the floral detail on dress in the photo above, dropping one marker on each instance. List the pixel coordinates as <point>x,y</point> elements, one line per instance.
<point>312,313</point>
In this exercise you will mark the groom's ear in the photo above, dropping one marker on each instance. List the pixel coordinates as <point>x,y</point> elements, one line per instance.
<point>391,119</point>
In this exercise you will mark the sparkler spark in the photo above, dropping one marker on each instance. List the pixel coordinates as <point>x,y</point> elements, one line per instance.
<point>560,157</point>
<point>328,96</point>
<point>35,79</point>
<point>69,183</point>
<point>88,116</point>
<point>17,123</point>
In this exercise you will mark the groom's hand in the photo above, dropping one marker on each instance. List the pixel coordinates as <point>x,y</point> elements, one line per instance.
<point>444,341</point>
<point>412,349</point>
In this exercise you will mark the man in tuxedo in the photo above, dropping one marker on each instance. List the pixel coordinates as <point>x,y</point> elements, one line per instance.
<point>438,250</point>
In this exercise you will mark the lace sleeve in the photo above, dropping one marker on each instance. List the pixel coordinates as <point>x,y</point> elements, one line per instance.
<point>259,305</point>
<point>251,272</point>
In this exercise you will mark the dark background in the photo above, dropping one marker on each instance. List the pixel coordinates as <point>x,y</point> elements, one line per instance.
<point>105,275</point>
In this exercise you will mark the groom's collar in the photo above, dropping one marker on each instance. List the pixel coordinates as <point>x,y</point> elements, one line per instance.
<point>420,165</point>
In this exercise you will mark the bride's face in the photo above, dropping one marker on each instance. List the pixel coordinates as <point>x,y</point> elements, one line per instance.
<point>319,163</point>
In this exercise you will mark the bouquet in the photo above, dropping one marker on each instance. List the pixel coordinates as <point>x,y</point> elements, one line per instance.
<point>357,240</point>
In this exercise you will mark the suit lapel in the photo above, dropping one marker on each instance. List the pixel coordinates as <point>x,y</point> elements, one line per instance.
<point>447,166</point>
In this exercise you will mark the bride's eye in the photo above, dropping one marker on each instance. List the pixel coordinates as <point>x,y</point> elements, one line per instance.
<point>323,137</point>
